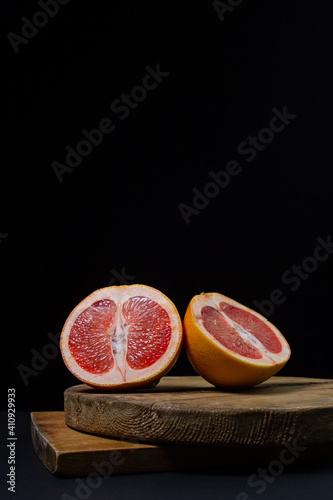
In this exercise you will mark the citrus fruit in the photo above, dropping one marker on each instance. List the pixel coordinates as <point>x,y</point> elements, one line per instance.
<point>230,345</point>
<point>122,337</point>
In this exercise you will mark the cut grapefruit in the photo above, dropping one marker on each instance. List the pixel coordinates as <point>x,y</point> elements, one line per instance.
<point>230,345</point>
<point>122,337</point>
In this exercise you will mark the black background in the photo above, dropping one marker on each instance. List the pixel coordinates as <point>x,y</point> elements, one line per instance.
<point>120,207</point>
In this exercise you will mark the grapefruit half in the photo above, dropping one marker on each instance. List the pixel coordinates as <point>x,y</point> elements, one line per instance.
<point>230,345</point>
<point>122,337</point>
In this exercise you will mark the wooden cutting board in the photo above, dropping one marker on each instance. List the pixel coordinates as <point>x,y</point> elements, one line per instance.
<point>66,452</point>
<point>189,410</point>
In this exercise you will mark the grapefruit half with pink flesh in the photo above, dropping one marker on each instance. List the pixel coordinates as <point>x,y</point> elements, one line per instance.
<point>231,345</point>
<point>122,337</point>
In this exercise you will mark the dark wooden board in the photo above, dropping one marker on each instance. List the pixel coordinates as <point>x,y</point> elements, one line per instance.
<point>66,452</point>
<point>189,410</point>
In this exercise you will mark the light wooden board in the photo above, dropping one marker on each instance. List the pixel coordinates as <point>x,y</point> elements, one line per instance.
<point>183,410</point>
<point>66,452</point>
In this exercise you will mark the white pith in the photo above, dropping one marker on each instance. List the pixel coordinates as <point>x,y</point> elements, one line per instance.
<point>268,357</point>
<point>121,372</point>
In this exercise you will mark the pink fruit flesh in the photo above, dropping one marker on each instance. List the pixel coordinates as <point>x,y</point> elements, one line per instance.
<point>254,325</point>
<point>224,333</point>
<point>149,334</point>
<point>228,332</point>
<point>149,331</point>
<point>89,341</point>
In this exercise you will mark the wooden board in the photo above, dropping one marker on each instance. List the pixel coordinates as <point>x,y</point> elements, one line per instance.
<point>186,410</point>
<point>66,452</point>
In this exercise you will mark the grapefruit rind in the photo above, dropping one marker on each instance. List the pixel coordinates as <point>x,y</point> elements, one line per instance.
<point>219,365</point>
<point>113,379</point>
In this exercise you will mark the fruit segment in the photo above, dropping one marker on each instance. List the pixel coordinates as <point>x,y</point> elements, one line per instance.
<point>254,325</point>
<point>149,331</point>
<point>89,342</point>
<point>226,334</point>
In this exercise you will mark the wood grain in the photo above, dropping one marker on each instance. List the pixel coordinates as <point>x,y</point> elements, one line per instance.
<point>189,410</point>
<point>66,452</point>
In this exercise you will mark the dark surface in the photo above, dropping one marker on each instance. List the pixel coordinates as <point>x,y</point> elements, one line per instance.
<point>119,209</point>
<point>311,480</point>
